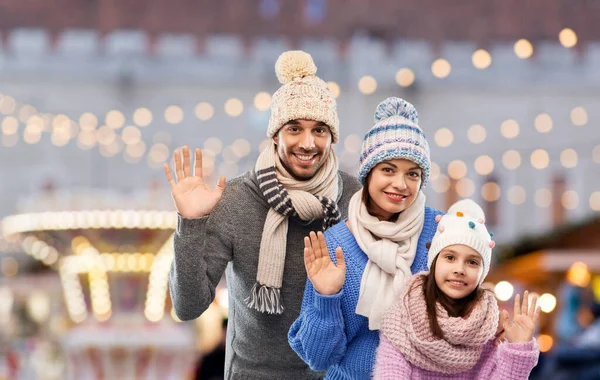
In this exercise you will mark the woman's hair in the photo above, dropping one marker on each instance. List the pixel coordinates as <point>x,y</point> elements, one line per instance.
<point>434,295</point>
<point>366,198</point>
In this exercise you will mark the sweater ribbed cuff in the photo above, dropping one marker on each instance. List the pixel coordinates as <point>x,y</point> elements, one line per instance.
<point>187,226</point>
<point>328,307</point>
<point>527,346</point>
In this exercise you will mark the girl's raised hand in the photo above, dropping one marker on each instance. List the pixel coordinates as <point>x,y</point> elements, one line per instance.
<point>525,319</point>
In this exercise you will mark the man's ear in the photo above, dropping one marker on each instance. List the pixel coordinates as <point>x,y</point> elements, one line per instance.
<point>275,139</point>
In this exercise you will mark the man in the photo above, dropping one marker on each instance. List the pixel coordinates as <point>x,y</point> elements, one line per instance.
<point>255,226</point>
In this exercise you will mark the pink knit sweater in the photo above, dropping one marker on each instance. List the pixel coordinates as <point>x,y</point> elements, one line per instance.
<point>507,361</point>
<point>409,350</point>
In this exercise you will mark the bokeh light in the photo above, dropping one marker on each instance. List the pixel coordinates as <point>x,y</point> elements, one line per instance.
<point>441,68</point>
<point>367,85</point>
<point>504,290</point>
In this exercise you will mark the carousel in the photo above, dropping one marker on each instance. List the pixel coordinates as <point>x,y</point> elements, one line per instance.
<point>112,254</point>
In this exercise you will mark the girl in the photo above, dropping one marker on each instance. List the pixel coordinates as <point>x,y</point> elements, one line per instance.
<point>443,326</point>
<point>375,250</point>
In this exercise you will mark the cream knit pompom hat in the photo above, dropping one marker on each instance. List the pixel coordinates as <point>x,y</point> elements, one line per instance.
<point>303,95</point>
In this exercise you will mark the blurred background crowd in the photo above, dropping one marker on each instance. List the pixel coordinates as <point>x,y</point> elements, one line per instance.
<point>96,95</point>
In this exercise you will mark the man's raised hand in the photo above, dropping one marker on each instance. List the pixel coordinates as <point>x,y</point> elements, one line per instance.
<point>192,197</point>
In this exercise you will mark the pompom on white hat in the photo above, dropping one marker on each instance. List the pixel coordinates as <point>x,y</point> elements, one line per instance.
<point>303,95</point>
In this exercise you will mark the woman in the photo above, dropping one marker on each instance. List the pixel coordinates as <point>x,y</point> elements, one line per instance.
<point>380,245</point>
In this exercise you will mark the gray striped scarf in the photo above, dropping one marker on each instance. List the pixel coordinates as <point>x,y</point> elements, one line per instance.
<point>308,200</point>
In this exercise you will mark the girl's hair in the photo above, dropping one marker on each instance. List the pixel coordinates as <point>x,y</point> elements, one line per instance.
<point>434,295</point>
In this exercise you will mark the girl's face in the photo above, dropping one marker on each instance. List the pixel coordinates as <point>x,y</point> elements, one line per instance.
<point>393,186</point>
<point>457,270</point>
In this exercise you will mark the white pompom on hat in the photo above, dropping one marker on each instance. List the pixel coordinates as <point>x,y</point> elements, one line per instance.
<point>294,64</point>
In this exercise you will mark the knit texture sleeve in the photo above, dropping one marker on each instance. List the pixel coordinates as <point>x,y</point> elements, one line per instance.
<point>515,361</point>
<point>202,249</point>
<point>318,335</point>
<point>389,362</point>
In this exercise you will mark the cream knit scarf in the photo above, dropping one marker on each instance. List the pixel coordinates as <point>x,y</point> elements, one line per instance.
<point>406,325</point>
<point>391,249</point>
<point>308,200</point>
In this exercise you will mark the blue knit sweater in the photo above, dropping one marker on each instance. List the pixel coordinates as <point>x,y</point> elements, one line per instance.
<point>328,334</point>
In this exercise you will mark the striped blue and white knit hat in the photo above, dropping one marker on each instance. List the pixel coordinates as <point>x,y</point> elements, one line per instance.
<point>395,135</point>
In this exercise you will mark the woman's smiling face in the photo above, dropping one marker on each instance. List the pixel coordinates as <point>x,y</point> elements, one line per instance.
<point>393,186</point>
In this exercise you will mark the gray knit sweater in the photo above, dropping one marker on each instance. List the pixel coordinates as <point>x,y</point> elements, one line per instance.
<point>257,343</point>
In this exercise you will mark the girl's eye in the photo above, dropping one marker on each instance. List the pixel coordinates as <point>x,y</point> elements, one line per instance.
<point>387,170</point>
<point>450,257</point>
<point>473,262</point>
<point>293,129</point>
<point>414,174</point>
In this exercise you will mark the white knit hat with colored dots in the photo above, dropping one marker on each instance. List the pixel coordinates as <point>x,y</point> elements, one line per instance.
<point>463,224</point>
<point>303,94</point>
